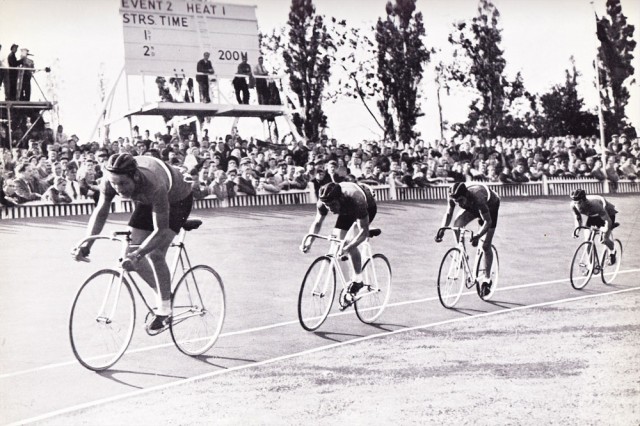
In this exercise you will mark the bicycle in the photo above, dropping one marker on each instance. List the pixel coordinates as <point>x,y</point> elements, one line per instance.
<point>319,284</point>
<point>587,263</point>
<point>104,310</point>
<point>456,262</point>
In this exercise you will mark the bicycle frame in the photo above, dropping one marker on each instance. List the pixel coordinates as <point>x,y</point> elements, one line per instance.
<point>336,247</point>
<point>593,232</point>
<point>460,237</point>
<point>181,259</point>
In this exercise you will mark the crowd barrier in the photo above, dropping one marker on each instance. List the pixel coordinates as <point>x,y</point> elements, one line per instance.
<point>546,187</point>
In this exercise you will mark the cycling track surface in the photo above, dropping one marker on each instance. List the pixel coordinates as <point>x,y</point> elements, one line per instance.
<point>266,369</point>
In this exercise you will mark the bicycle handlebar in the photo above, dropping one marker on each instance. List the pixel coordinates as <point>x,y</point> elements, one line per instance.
<point>591,228</point>
<point>330,238</point>
<point>455,228</point>
<point>98,237</point>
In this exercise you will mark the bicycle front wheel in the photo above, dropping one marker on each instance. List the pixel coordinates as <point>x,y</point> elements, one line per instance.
<point>198,310</point>
<point>451,278</point>
<point>494,276</point>
<point>373,297</point>
<point>610,272</point>
<point>582,265</point>
<point>101,321</point>
<point>316,293</point>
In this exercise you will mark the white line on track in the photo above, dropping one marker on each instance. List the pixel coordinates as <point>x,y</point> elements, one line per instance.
<point>302,353</point>
<point>286,323</point>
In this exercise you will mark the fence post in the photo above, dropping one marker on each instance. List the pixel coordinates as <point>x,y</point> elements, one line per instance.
<point>545,186</point>
<point>312,193</point>
<point>392,189</point>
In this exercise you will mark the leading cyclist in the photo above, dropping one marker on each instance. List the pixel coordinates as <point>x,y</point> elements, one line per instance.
<point>599,212</point>
<point>163,202</point>
<point>353,203</point>
<point>477,202</point>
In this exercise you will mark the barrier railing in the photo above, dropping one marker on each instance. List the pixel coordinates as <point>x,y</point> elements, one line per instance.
<point>546,187</point>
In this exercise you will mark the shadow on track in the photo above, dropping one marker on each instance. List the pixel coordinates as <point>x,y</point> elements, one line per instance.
<point>325,335</point>
<point>468,311</point>
<point>110,374</point>
<point>207,359</point>
<point>503,303</point>
<point>382,326</point>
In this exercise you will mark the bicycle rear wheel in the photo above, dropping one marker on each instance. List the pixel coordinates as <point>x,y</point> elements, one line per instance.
<point>582,265</point>
<point>451,278</point>
<point>494,276</point>
<point>610,272</point>
<point>101,320</point>
<point>316,293</point>
<point>198,310</point>
<point>373,297</point>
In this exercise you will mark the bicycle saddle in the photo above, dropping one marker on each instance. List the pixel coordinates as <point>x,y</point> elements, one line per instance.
<point>191,224</point>
<point>374,232</point>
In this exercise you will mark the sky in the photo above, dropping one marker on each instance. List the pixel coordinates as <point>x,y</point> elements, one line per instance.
<point>78,38</point>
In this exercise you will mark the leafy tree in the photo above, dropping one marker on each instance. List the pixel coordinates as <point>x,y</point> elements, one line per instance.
<point>615,69</point>
<point>308,63</point>
<point>562,109</point>
<point>401,57</point>
<point>480,66</point>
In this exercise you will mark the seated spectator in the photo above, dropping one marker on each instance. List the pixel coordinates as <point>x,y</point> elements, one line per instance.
<point>221,186</point>
<point>519,175</point>
<point>23,184</point>
<point>56,193</point>
<point>198,188</point>
<point>505,175</point>
<point>267,184</point>
<point>628,169</point>
<point>7,191</point>
<point>244,184</point>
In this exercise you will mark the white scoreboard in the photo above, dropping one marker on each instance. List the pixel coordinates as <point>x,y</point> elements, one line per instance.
<point>167,37</point>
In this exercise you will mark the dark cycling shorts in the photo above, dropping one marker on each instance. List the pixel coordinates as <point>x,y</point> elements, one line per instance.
<point>142,217</point>
<point>345,222</point>
<point>493,213</point>
<point>598,221</point>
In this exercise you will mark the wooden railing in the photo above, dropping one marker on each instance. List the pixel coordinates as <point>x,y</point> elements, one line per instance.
<point>545,187</point>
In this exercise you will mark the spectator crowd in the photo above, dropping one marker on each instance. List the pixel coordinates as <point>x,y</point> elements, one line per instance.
<point>59,169</point>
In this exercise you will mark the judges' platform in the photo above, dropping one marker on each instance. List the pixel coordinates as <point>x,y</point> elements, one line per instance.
<point>15,110</point>
<point>209,110</point>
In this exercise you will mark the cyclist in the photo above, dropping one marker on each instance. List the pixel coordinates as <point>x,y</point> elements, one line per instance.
<point>599,212</point>
<point>477,202</point>
<point>163,202</point>
<point>353,203</point>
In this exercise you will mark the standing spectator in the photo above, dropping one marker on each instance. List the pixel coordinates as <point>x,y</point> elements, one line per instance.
<point>24,91</point>
<point>267,184</point>
<point>243,182</point>
<point>261,83</point>
<point>221,187</point>
<point>6,198</point>
<point>11,84</point>
<point>205,69</point>
<point>73,186</point>
<point>240,82</point>
<point>332,172</point>
<point>60,136</point>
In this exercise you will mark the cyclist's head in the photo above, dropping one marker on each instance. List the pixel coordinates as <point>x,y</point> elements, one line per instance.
<point>330,193</point>
<point>122,174</point>
<point>458,190</point>
<point>121,164</point>
<point>578,195</point>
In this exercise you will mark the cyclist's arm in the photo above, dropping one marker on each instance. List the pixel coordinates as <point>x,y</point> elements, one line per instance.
<point>314,228</point>
<point>162,234</point>
<point>446,220</point>
<point>578,215</point>
<point>101,212</point>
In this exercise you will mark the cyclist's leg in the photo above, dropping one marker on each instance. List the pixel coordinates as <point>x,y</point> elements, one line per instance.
<point>462,220</point>
<point>608,236</point>
<point>486,250</point>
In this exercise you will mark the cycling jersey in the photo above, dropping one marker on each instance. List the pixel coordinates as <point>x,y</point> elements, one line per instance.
<point>357,203</point>
<point>481,201</point>
<point>596,208</point>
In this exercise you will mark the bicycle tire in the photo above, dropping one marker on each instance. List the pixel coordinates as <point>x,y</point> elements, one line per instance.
<point>610,272</point>
<point>494,276</point>
<point>582,265</point>
<point>99,341</point>
<point>198,306</point>
<point>373,298</point>
<point>317,292</point>
<point>450,287</point>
